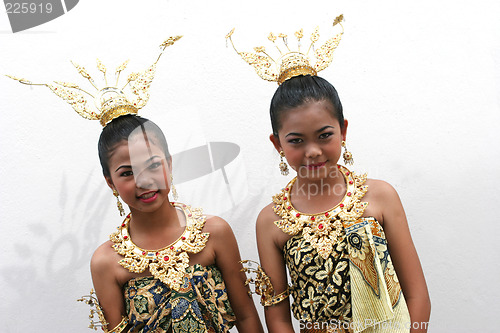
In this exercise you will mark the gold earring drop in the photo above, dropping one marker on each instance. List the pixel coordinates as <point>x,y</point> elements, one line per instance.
<point>118,203</point>
<point>283,166</point>
<point>175,195</point>
<point>347,155</point>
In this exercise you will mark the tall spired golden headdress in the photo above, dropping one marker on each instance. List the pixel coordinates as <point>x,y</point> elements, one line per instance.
<point>291,63</point>
<point>111,101</point>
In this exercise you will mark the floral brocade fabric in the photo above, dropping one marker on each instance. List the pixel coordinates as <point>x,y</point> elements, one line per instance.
<point>356,283</point>
<point>320,287</point>
<point>201,304</point>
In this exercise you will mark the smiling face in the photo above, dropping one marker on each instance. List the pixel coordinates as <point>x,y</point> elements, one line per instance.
<point>140,172</point>
<point>311,137</point>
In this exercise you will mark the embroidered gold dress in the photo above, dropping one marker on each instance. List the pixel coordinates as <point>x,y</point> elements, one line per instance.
<point>177,297</point>
<point>342,277</point>
<point>200,305</point>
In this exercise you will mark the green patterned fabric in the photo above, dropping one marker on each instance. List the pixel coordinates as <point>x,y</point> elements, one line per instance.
<point>201,305</point>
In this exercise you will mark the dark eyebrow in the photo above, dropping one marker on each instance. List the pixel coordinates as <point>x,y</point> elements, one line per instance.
<point>123,166</point>
<point>324,128</point>
<point>292,133</point>
<point>318,131</point>
<point>130,167</point>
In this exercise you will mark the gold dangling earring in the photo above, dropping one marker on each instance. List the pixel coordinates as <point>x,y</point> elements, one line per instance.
<point>347,155</point>
<point>283,166</point>
<point>172,188</point>
<point>118,203</point>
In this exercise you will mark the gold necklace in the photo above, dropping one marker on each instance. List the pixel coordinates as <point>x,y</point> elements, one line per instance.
<point>323,229</point>
<point>167,264</point>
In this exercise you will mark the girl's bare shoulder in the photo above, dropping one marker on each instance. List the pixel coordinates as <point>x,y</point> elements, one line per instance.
<point>103,251</point>
<point>104,257</point>
<point>217,226</point>
<point>379,188</point>
<point>267,215</point>
<point>381,197</point>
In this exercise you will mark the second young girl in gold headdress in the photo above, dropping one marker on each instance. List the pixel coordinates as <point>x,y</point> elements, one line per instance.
<point>168,268</point>
<point>344,238</point>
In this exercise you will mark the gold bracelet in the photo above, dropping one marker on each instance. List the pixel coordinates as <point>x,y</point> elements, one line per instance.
<point>120,327</point>
<point>267,300</point>
<point>100,321</point>
<point>263,285</point>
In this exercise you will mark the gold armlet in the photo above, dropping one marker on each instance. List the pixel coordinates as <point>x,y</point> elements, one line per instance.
<point>263,285</point>
<point>267,300</point>
<point>100,321</point>
<point>120,327</point>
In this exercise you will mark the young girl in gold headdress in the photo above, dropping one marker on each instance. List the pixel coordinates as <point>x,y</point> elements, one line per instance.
<point>168,268</point>
<point>344,238</point>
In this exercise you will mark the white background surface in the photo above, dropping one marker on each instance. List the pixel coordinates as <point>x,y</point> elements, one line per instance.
<point>419,82</point>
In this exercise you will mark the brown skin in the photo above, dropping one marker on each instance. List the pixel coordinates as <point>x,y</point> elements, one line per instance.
<point>306,145</point>
<point>157,224</point>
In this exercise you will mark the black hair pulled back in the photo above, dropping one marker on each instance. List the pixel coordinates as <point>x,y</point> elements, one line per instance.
<point>118,130</point>
<point>303,89</point>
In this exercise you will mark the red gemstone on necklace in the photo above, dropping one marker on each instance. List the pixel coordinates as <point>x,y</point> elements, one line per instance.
<point>320,226</point>
<point>298,215</point>
<point>287,189</point>
<point>189,215</point>
<point>312,218</point>
<point>123,225</point>
<point>183,238</point>
<point>171,248</point>
<point>351,182</point>
<point>289,207</point>
<point>143,253</point>
<point>348,194</point>
<point>284,198</point>
<point>326,214</point>
<point>156,253</point>
<point>166,258</point>
<point>347,173</point>
<point>341,205</point>
<point>125,237</point>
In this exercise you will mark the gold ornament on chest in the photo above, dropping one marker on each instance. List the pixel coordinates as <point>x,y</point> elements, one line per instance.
<point>322,230</point>
<point>167,264</point>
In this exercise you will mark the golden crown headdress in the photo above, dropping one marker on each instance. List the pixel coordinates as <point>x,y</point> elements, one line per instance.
<point>291,63</point>
<point>110,102</point>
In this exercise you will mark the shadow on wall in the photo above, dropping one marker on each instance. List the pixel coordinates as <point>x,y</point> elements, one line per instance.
<point>50,267</point>
<point>51,259</point>
<point>203,160</point>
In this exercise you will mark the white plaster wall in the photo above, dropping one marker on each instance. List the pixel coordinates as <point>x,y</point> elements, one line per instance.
<point>420,86</point>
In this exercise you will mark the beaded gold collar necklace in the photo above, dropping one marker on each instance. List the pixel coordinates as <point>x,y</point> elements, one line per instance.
<point>322,230</point>
<point>169,263</point>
